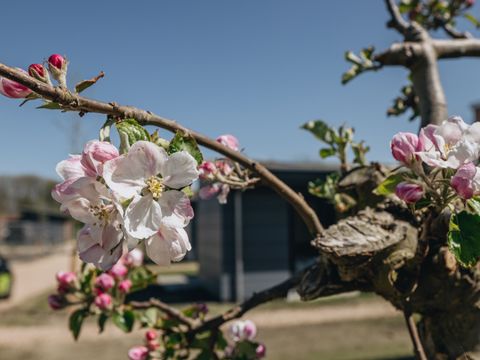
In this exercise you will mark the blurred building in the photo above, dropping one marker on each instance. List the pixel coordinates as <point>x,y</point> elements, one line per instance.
<point>256,239</point>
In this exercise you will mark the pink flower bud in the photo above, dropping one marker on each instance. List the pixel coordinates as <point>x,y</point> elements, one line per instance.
<point>153,345</point>
<point>138,353</point>
<point>404,146</point>
<point>463,180</point>
<point>56,302</point>
<point>207,170</point>
<point>119,270</point>
<point>95,154</point>
<point>124,286</point>
<point>134,258</point>
<point>410,193</point>
<point>103,301</point>
<point>469,3</point>
<point>261,351</point>
<point>209,191</point>
<point>37,71</point>
<point>224,167</point>
<point>12,89</point>
<point>249,329</point>
<point>57,65</point>
<point>66,280</point>
<point>151,335</point>
<point>57,61</point>
<point>229,141</point>
<point>105,281</point>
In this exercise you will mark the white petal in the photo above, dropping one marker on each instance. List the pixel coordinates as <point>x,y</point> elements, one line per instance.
<point>126,174</point>
<point>176,205</point>
<point>180,170</point>
<point>70,168</point>
<point>143,217</point>
<point>169,244</point>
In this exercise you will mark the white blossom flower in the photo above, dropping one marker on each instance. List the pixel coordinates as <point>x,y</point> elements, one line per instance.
<point>146,176</point>
<point>451,144</point>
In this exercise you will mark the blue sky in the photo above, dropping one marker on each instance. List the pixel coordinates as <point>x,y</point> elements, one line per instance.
<point>256,69</point>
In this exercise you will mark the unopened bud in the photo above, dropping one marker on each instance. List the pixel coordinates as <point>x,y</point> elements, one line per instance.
<point>58,65</point>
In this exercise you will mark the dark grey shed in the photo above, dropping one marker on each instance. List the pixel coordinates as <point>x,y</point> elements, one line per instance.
<point>256,239</point>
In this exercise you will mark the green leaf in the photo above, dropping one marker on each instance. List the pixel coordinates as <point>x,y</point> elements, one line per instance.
<point>104,134</point>
<point>473,205</point>
<point>149,317</point>
<point>327,152</point>
<point>325,189</point>
<point>388,185</point>
<point>472,19</point>
<point>124,320</point>
<point>464,238</point>
<point>85,84</point>
<point>102,319</point>
<point>75,322</point>
<point>185,142</point>
<point>321,131</point>
<point>141,277</point>
<point>50,105</point>
<point>130,132</point>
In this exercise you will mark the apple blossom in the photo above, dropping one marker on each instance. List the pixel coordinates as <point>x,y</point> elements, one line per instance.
<point>119,270</point>
<point>134,258</point>
<point>124,286</point>
<point>229,141</point>
<point>95,154</point>
<point>217,189</point>
<point>151,335</point>
<point>103,251</point>
<point>404,147</point>
<point>249,329</point>
<point>103,301</point>
<point>57,61</point>
<point>451,144</point>
<point>66,280</point>
<point>260,351</point>
<point>169,244</point>
<point>207,170</point>
<point>410,193</point>
<point>148,177</point>
<point>138,353</point>
<point>56,302</point>
<point>105,281</point>
<point>466,181</point>
<point>13,89</point>
<point>242,330</point>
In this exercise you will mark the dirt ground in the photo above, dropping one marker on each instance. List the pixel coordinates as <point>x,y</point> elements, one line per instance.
<point>358,328</point>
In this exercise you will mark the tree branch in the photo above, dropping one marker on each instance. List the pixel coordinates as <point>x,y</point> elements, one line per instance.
<point>276,292</point>
<point>74,102</point>
<point>454,33</point>
<point>396,22</point>
<point>448,49</point>
<point>413,331</point>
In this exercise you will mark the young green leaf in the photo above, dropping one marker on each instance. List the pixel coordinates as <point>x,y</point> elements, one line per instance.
<point>321,131</point>
<point>85,84</point>
<point>327,152</point>
<point>388,185</point>
<point>130,132</point>
<point>185,142</point>
<point>124,320</point>
<point>464,238</point>
<point>50,105</point>
<point>76,320</point>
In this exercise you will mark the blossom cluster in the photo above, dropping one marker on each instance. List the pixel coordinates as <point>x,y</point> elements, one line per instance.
<point>221,175</point>
<point>57,66</point>
<point>102,289</point>
<point>439,155</point>
<point>126,198</point>
<point>143,352</point>
<point>244,332</point>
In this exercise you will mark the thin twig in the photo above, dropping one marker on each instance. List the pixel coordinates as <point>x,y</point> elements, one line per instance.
<point>167,309</point>
<point>397,21</point>
<point>412,330</point>
<point>276,292</point>
<point>74,102</point>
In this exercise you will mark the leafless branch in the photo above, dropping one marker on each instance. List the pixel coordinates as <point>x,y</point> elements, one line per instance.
<point>397,21</point>
<point>447,49</point>
<point>276,292</point>
<point>74,102</point>
<point>454,33</point>
<point>413,331</point>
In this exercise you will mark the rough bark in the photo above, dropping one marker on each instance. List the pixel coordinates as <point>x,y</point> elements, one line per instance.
<point>404,259</point>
